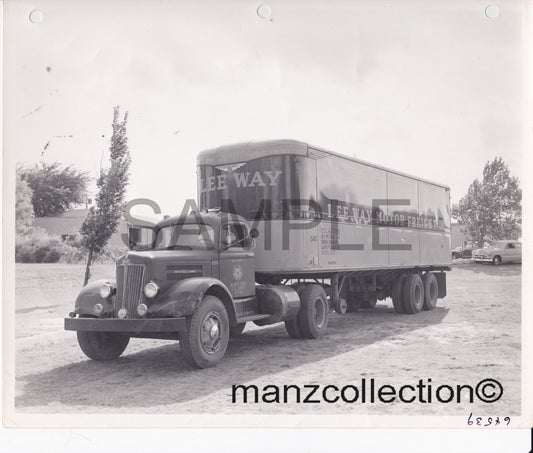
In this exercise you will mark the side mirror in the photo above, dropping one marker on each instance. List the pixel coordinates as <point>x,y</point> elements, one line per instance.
<point>254,232</point>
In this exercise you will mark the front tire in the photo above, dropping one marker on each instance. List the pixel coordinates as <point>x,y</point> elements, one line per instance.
<point>497,260</point>
<point>314,311</point>
<point>102,345</point>
<point>206,339</point>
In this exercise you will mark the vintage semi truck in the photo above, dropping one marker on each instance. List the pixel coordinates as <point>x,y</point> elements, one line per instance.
<point>284,232</point>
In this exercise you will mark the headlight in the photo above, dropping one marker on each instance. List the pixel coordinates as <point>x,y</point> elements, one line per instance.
<point>142,309</point>
<point>151,289</point>
<point>106,290</point>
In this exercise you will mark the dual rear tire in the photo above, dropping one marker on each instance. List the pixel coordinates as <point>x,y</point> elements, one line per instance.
<point>312,319</point>
<point>411,293</point>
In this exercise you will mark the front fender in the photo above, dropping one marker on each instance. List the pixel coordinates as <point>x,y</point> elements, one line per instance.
<point>89,296</point>
<point>182,298</point>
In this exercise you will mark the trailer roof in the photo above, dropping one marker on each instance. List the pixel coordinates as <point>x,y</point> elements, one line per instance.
<point>243,152</point>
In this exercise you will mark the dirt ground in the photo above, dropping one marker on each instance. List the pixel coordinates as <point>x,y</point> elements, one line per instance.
<point>473,334</point>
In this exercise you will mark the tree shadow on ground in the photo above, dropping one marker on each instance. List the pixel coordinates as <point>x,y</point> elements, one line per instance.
<point>159,376</point>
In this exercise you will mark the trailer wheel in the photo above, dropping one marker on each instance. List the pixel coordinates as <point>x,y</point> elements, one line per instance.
<point>397,293</point>
<point>314,311</point>
<point>102,345</point>
<point>413,294</point>
<point>206,339</point>
<point>431,290</point>
<point>236,331</point>
<point>291,325</point>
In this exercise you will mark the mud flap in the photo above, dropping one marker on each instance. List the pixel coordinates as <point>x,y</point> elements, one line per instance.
<point>441,282</point>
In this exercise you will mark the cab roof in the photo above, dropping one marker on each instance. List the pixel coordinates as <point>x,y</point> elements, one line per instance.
<point>214,217</point>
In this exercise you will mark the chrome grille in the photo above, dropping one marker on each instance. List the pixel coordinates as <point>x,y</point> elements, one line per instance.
<point>130,279</point>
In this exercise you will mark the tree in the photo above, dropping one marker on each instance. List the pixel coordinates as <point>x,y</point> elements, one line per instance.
<point>23,208</point>
<point>102,221</point>
<point>492,208</point>
<point>55,188</point>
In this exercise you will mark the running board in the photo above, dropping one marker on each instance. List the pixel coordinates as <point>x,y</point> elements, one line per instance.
<point>252,318</point>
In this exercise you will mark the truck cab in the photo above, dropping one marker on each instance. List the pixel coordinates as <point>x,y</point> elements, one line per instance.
<point>202,259</point>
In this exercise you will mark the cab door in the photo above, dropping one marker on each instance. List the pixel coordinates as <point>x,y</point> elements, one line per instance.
<point>236,260</point>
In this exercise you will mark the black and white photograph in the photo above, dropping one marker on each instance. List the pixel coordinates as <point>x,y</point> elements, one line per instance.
<point>267,214</point>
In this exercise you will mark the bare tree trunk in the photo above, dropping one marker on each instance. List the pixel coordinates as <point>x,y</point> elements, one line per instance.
<point>88,268</point>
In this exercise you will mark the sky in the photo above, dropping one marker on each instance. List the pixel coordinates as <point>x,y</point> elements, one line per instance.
<point>430,88</point>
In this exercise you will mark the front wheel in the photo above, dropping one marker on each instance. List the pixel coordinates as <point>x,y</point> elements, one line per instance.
<point>102,345</point>
<point>496,260</point>
<point>206,339</point>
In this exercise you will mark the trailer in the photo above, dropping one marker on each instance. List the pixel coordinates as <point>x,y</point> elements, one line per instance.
<point>285,232</point>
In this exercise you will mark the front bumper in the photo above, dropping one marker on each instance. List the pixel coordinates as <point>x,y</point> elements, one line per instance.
<point>131,326</point>
<point>480,259</point>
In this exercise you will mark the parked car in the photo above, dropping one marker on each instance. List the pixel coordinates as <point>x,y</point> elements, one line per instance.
<point>499,252</point>
<point>464,251</point>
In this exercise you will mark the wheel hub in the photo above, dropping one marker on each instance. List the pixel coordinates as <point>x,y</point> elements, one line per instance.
<point>210,334</point>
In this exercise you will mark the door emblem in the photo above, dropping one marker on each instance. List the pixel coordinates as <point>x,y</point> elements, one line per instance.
<point>237,272</point>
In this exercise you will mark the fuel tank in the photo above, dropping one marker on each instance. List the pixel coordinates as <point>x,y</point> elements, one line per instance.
<point>281,302</point>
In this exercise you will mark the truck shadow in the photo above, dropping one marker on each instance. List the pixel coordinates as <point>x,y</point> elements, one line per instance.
<point>159,376</point>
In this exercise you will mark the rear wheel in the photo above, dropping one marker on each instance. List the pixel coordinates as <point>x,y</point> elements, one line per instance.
<point>397,293</point>
<point>291,325</point>
<point>413,294</point>
<point>102,345</point>
<point>206,339</point>
<point>431,291</point>
<point>314,310</point>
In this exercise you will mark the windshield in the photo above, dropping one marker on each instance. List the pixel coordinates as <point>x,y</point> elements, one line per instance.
<point>185,237</point>
<point>498,245</point>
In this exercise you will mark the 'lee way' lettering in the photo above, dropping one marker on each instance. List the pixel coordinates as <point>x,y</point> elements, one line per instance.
<point>242,179</point>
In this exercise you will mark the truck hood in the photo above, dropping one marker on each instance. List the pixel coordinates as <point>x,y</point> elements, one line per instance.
<point>167,257</point>
<point>168,266</point>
